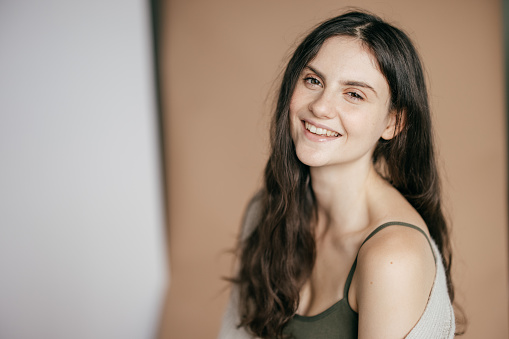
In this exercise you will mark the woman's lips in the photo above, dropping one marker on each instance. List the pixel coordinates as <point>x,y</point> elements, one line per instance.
<point>320,130</point>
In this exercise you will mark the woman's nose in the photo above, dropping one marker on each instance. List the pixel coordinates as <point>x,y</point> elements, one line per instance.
<point>323,106</point>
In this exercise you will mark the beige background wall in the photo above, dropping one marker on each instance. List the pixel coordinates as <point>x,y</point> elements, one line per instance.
<point>222,58</point>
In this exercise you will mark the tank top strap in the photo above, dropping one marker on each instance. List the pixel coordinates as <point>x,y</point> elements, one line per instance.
<point>378,229</point>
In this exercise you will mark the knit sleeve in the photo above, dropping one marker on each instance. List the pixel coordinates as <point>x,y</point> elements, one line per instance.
<point>437,321</point>
<point>229,329</point>
<point>231,317</point>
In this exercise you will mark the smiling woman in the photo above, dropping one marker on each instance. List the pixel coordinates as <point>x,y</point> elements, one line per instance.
<point>347,238</point>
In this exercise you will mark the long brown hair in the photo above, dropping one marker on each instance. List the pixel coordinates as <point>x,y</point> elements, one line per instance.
<point>278,256</point>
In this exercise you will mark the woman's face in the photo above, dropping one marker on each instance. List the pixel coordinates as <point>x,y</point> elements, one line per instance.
<point>340,106</point>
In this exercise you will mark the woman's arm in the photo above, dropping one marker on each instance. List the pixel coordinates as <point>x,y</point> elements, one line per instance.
<point>394,277</point>
<point>231,317</point>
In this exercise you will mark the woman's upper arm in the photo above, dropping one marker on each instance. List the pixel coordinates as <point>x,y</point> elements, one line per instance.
<point>395,274</point>
<point>229,325</point>
<point>231,318</point>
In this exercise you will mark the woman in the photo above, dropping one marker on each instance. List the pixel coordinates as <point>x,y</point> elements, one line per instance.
<point>347,238</point>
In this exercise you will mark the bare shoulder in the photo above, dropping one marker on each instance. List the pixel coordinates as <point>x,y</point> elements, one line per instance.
<point>394,276</point>
<point>396,241</point>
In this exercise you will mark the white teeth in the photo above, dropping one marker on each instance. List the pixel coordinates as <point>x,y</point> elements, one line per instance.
<point>319,131</point>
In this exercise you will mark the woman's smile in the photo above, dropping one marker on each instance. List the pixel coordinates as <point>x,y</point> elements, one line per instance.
<point>318,133</point>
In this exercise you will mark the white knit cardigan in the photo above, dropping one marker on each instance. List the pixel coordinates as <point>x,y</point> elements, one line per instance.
<point>436,322</point>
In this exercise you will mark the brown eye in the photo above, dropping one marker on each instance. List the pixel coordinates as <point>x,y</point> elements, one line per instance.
<point>312,81</point>
<point>355,96</point>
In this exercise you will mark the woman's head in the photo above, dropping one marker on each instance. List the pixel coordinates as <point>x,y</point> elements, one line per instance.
<point>397,61</point>
<point>340,106</point>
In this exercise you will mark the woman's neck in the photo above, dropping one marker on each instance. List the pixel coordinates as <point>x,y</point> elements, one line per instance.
<point>342,193</point>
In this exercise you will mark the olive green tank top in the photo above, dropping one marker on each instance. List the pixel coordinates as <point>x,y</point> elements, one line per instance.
<point>339,320</point>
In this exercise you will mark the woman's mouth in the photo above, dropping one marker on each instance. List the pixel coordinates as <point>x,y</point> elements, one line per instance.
<point>320,131</point>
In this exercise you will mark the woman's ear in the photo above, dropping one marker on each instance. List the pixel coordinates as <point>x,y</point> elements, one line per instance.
<point>394,125</point>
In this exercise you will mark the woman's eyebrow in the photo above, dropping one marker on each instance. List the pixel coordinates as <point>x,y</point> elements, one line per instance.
<point>315,71</point>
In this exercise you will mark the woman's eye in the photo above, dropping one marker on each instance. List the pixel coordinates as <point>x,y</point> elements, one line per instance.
<point>312,81</point>
<point>355,96</point>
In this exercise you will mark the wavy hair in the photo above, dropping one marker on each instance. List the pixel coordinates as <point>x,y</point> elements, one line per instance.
<point>279,255</point>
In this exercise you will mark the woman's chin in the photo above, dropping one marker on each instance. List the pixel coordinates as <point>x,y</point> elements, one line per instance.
<point>313,160</point>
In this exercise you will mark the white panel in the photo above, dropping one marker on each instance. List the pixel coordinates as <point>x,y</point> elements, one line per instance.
<point>82,251</point>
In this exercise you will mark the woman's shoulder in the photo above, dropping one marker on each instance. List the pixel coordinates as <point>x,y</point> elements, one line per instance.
<point>402,242</point>
<point>396,230</point>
